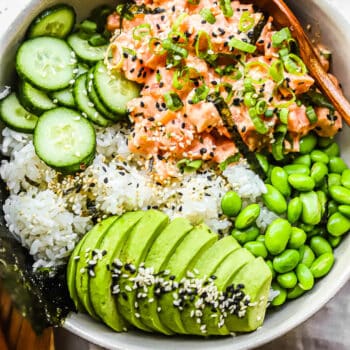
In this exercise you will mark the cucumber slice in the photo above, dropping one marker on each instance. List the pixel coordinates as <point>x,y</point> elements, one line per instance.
<point>96,100</point>
<point>14,115</point>
<point>85,105</point>
<point>64,97</point>
<point>65,140</point>
<point>57,21</point>
<point>115,91</point>
<point>33,99</point>
<point>85,51</point>
<point>47,63</point>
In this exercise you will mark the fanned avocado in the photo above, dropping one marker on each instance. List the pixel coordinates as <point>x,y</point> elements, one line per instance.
<point>205,267</point>
<point>133,254</point>
<point>256,277</point>
<point>162,249</point>
<point>82,277</point>
<point>182,262</point>
<point>102,300</point>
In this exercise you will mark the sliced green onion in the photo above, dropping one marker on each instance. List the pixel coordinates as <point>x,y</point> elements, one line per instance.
<point>207,15</point>
<point>193,165</point>
<point>201,93</point>
<point>181,77</point>
<point>269,113</point>
<point>259,64</point>
<point>155,46</point>
<point>249,100</point>
<point>199,52</point>
<point>311,115</point>
<point>226,8</point>
<point>279,37</point>
<point>285,103</point>
<point>232,159</point>
<point>175,27</point>
<point>130,52</point>
<point>284,52</point>
<point>261,107</point>
<point>294,64</point>
<point>141,31</point>
<point>173,101</point>
<point>248,85</point>
<point>277,71</point>
<point>259,124</point>
<point>277,146</point>
<point>228,89</point>
<point>241,45</point>
<point>246,22</point>
<point>168,45</point>
<point>283,115</point>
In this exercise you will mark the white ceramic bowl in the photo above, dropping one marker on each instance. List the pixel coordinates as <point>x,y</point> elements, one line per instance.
<point>333,27</point>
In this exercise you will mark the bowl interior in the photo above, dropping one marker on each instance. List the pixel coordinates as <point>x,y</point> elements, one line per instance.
<point>329,26</point>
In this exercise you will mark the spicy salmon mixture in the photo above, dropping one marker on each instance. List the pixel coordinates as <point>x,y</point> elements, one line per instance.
<point>184,52</point>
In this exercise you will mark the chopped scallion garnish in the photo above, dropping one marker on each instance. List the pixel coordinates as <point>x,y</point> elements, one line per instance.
<point>200,94</point>
<point>261,107</point>
<point>173,101</point>
<point>141,31</point>
<point>277,71</point>
<point>226,7</point>
<point>311,114</point>
<point>259,124</point>
<point>207,15</point>
<point>241,45</point>
<point>283,115</point>
<point>246,22</point>
<point>279,37</point>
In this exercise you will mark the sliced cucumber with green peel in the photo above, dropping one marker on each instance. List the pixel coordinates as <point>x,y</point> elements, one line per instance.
<point>15,116</point>
<point>85,105</point>
<point>84,50</point>
<point>57,21</point>
<point>115,91</point>
<point>65,140</point>
<point>64,97</point>
<point>47,63</point>
<point>33,99</point>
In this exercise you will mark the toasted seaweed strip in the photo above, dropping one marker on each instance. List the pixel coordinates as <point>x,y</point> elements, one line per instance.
<point>258,28</point>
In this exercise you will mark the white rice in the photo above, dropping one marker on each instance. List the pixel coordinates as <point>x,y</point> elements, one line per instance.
<point>49,216</point>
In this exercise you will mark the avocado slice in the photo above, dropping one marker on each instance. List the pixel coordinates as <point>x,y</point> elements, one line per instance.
<point>256,277</point>
<point>205,267</point>
<point>160,253</point>
<point>183,260</point>
<point>102,300</point>
<point>134,252</point>
<point>82,276</point>
<point>224,274</point>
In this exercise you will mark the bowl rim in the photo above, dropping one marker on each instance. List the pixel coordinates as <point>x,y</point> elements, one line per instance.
<point>75,323</point>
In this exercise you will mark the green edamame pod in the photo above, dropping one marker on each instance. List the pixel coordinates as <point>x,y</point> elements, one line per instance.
<point>244,236</point>
<point>311,213</point>
<point>297,169</point>
<point>334,241</point>
<point>340,194</point>
<point>322,265</point>
<point>318,172</point>
<point>304,159</point>
<point>281,298</point>
<point>345,178</point>
<point>287,261</point>
<point>322,198</point>
<point>277,236</point>
<point>307,143</point>
<point>305,277</point>
<point>345,210</point>
<point>297,238</point>
<point>319,156</point>
<point>274,200</point>
<point>257,249</point>
<point>263,162</point>
<point>295,207</point>
<point>247,216</point>
<point>302,183</point>
<point>337,165</point>
<point>332,150</point>
<point>320,246</point>
<point>332,207</point>
<point>296,292</point>
<point>307,256</point>
<point>334,179</point>
<point>231,203</point>
<point>279,179</point>
<point>287,280</point>
<point>338,224</point>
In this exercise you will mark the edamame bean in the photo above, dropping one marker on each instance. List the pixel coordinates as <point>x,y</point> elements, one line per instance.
<point>345,210</point>
<point>294,210</point>
<point>257,249</point>
<point>334,241</point>
<point>307,143</point>
<point>340,194</point>
<point>332,207</point>
<point>304,159</point>
<point>311,213</point>
<point>277,236</point>
<point>281,298</point>
<point>334,179</point>
<point>263,162</point>
<point>322,265</point>
<point>247,216</point>
<point>244,236</point>
<point>345,178</point>
<point>305,277</point>
<point>332,150</point>
<point>318,172</point>
<point>296,292</point>
<point>297,169</point>
<point>279,179</point>
<point>287,280</point>
<point>274,200</point>
<point>287,261</point>
<point>302,183</point>
<point>297,238</point>
<point>324,142</point>
<point>307,256</point>
<point>231,203</point>
<point>319,156</point>
<point>338,224</point>
<point>306,227</point>
<point>322,198</point>
<point>269,264</point>
<point>320,246</point>
<point>337,165</point>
